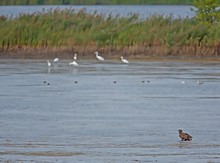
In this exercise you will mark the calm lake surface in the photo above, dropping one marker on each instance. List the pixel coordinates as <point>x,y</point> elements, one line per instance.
<point>122,10</point>
<point>109,112</point>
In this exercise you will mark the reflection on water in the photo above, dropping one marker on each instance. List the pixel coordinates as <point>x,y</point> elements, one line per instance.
<point>108,112</point>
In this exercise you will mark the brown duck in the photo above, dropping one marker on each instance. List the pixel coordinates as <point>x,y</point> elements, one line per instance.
<point>184,136</point>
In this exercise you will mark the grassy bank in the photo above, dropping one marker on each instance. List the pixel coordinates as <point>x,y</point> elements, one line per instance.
<point>92,2</point>
<point>67,30</point>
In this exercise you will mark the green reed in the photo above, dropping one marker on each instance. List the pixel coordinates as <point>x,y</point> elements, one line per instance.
<point>69,29</point>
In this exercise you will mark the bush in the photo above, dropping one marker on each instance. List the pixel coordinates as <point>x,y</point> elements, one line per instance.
<point>207,11</point>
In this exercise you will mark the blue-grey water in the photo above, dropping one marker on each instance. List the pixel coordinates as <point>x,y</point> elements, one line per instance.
<point>144,11</point>
<point>109,112</point>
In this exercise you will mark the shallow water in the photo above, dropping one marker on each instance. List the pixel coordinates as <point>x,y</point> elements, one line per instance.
<point>143,11</point>
<point>109,112</point>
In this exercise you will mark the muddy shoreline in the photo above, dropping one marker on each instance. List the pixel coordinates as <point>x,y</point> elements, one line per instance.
<point>108,53</point>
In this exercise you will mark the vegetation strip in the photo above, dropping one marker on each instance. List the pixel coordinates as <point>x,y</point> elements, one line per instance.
<point>71,31</point>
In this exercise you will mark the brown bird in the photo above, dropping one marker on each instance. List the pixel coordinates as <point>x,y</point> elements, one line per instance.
<point>184,136</point>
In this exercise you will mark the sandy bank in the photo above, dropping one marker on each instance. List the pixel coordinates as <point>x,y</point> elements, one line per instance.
<point>157,54</point>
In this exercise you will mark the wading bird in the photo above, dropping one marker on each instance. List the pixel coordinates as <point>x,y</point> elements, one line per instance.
<point>184,136</point>
<point>56,60</point>
<point>48,63</point>
<point>73,63</point>
<point>124,60</point>
<point>99,57</point>
<point>75,57</point>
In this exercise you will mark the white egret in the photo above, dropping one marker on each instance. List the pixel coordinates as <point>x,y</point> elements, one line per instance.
<point>99,57</point>
<point>183,82</point>
<point>74,63</point>
<point>48,63</point>
<point>124,60</point>
<point>56,60</point>
<point>75,57</point>
<point>200,82</point>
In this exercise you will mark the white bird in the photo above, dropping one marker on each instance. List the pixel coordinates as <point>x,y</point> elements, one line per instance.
<point>99,57</point>
<point>200,82</point>
<point>48,63</point>
<point>124,60</point>
<point>75,57</point>
<point>74,63</point>
<point>183,82</point>
<point>56,60</point>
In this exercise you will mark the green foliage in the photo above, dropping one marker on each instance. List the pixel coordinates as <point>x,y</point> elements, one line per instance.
<point>67,28</point>
<point>207,11</point>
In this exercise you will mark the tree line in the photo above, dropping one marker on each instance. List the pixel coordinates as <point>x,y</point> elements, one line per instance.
<point>91,2</point>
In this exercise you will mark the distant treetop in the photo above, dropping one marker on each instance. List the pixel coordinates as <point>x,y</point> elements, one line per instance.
<point>92,2</point>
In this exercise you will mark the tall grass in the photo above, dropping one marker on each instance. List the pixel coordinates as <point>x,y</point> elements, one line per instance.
<point>67,29</point>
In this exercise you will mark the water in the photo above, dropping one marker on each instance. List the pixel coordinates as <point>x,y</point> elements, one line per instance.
<point>123,10</point>
<point>108,112</point>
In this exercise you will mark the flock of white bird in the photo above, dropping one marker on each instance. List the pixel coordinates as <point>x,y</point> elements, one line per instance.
<point>100,58</point>
<point>74,63</point>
